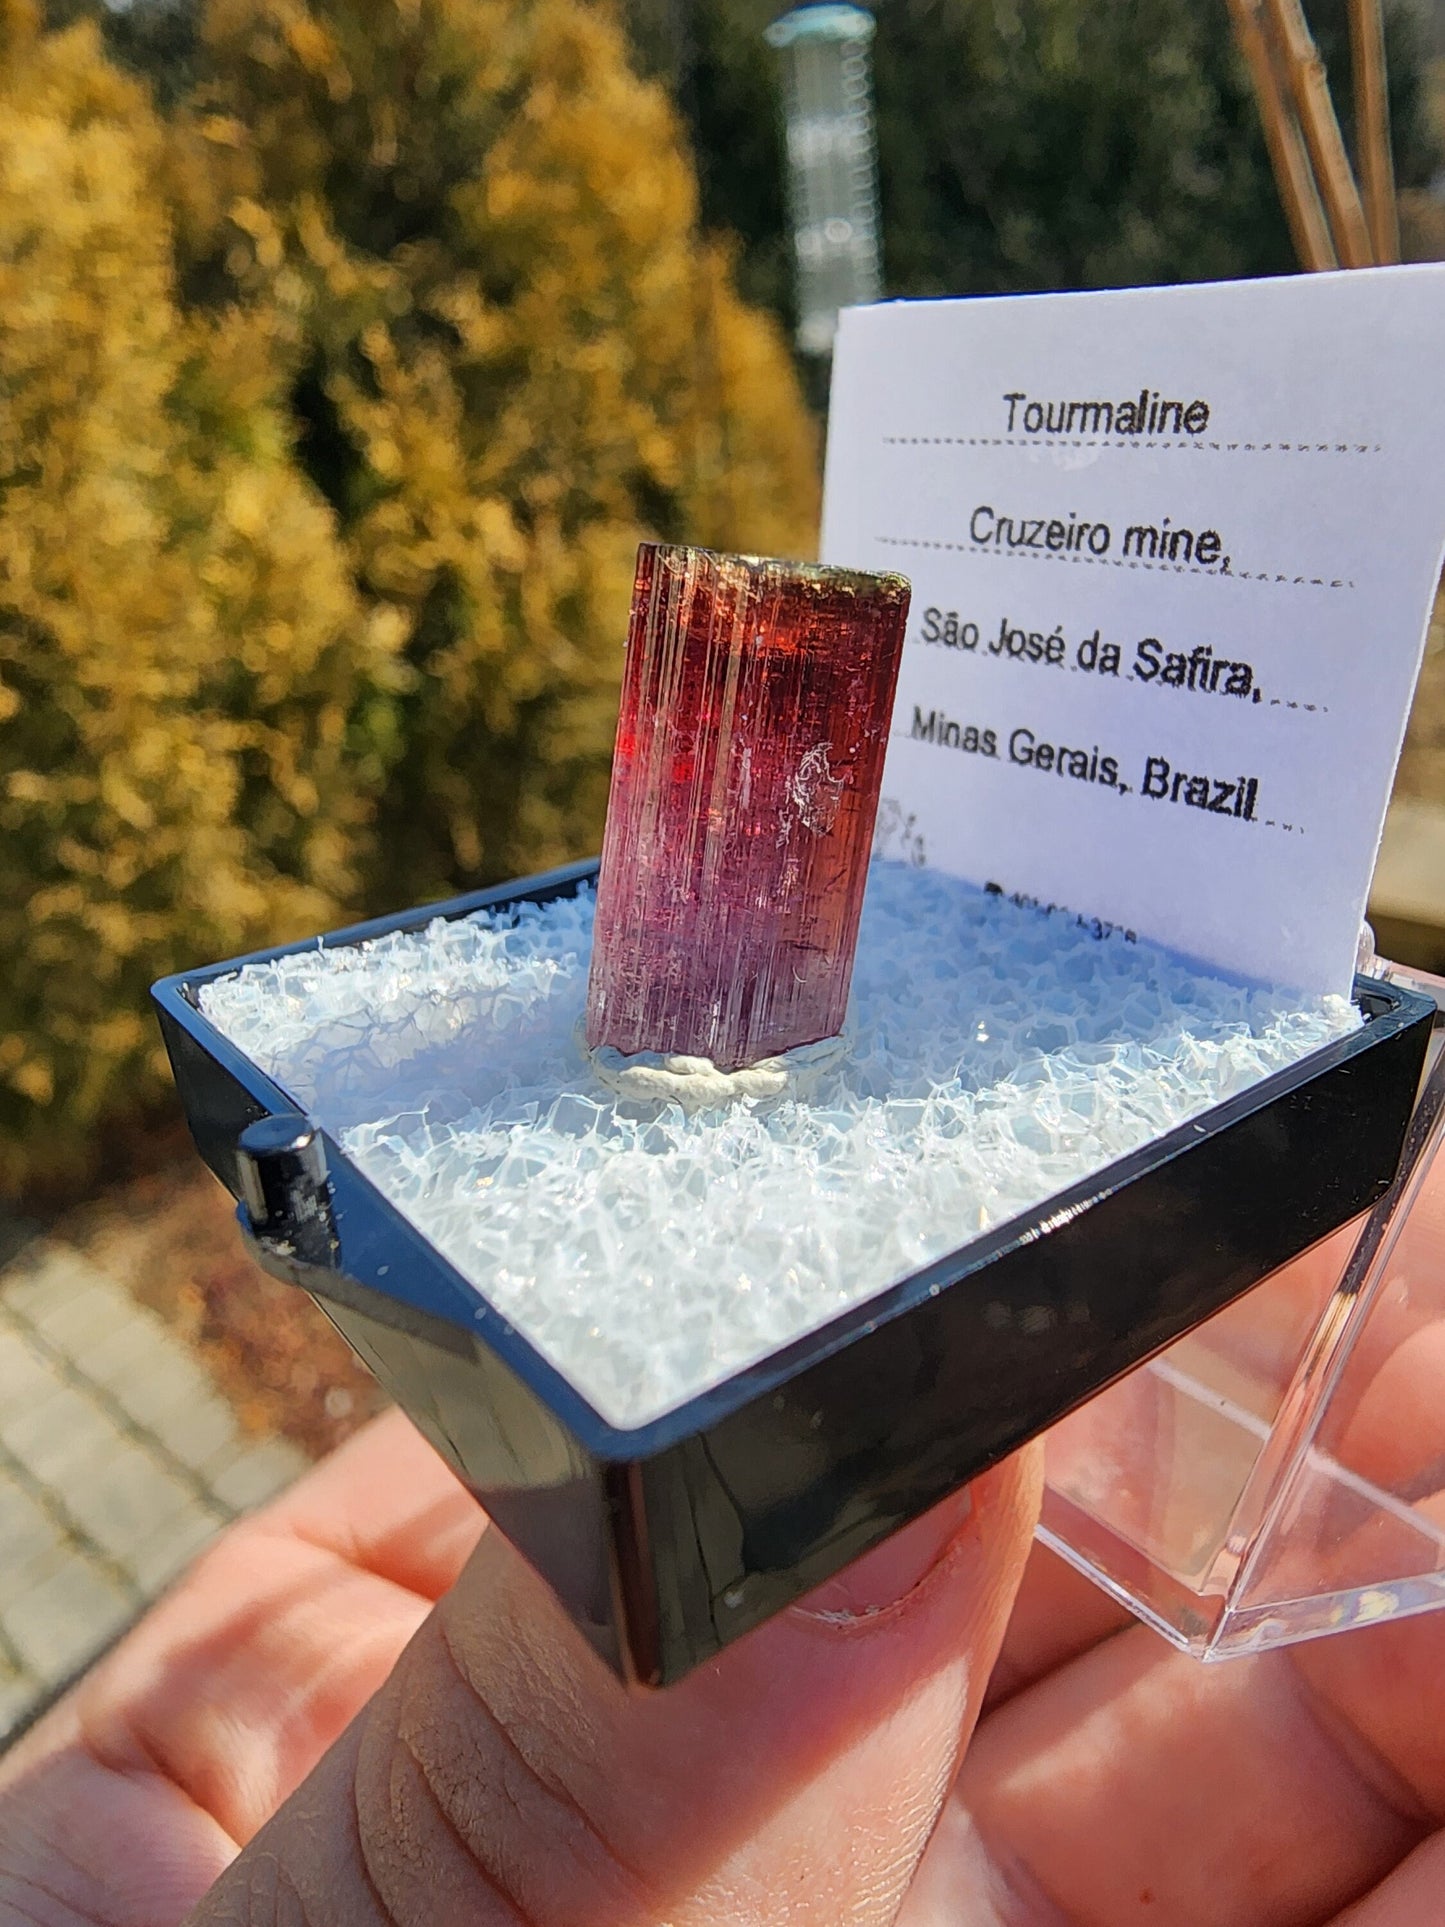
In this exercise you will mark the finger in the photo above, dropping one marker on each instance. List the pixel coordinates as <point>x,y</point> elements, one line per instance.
<point>81,1845</point>
<point>1255,1791</point>
<point>1281,1788</point>
<point>1384,1426</point>
<point>1389,1427</point>
<point>1409,1897</point>
<point>246,1673</point>
<point>1151,1460</point>
<point>1138,1784</point>
<point>387,1504</point>
<point>504,1775</point>
<point>1058,1615</point>
<point>1380,1462</point>
<point>1364,1513</point>
<point>958,1884</point>
<point>1257,1341</point>
<point>1106,1458</point>
<point>1366,1517</point>
<point>227,1693</point>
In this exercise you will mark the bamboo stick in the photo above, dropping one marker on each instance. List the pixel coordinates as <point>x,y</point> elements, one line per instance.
<point>1305,72</point>
<point>1308,227</point>
<point>1372,128</point>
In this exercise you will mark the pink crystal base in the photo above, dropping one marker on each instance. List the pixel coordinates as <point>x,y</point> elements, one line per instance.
<point>750,746</point>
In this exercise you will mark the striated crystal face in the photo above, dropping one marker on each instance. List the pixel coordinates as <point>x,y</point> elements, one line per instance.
<point>755,710</point>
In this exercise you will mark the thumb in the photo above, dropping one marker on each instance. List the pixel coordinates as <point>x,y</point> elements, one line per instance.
<point>502,1775</point>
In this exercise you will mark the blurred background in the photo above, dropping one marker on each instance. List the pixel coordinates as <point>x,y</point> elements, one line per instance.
<point>347,350</point>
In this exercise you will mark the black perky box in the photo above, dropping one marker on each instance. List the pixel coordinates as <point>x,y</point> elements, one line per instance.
<point>666,1542</point>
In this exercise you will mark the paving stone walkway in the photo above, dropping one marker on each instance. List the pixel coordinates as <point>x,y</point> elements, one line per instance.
<point>118,1461</point>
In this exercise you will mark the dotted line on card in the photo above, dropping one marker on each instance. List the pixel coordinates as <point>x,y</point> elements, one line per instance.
<point>1113,562</point>
<point>1067,441</point>
<point>1266,702</point>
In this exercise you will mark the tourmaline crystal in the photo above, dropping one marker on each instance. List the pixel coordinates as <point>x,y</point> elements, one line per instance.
<point>755,709</point>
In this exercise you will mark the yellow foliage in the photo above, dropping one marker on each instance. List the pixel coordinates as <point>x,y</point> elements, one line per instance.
<point>518,358</point>
<point>332,410</point>
<point>182,654</point>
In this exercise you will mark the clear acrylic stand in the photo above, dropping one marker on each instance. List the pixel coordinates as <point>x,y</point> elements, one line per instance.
<point>1279,1473</point>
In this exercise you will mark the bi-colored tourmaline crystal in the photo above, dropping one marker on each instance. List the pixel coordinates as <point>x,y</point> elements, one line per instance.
<point>755,708</point>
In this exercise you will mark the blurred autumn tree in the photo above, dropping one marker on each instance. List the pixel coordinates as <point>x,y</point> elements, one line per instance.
<point>333,404</point>
<point>513,357</point>
<point>185,672</point>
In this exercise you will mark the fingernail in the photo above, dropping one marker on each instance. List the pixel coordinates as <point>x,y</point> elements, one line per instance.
<point>884,1577</point>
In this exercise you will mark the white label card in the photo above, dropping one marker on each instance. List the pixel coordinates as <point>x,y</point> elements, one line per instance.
<point>1172,553</point>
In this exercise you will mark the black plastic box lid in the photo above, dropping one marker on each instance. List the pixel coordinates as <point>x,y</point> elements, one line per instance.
<point>668,1541</point>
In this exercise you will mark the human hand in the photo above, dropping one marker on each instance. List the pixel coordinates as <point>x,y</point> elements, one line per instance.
<point>1113,1780</point>
<point>500,1773</point>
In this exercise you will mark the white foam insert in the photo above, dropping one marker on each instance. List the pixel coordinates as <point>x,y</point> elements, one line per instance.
<point>998,1055</point>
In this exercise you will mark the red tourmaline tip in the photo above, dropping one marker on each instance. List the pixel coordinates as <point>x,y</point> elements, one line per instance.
<point>755,708</point>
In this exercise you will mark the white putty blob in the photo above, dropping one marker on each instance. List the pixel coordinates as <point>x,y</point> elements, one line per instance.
<point>998,1055</point>
<point>698,1085</point>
